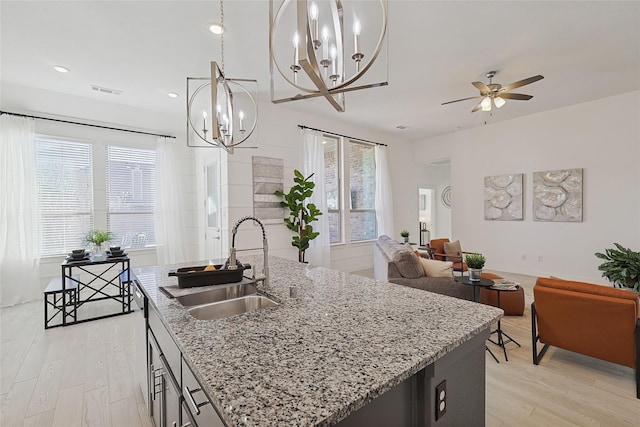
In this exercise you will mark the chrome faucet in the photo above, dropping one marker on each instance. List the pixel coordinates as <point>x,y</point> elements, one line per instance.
<point>232,263</point>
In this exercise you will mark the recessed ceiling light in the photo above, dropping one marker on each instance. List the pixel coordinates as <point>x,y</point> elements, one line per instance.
<point>402,127</point>
<point>216,28</point>
<point>60,69</point>
<point>172,95</point>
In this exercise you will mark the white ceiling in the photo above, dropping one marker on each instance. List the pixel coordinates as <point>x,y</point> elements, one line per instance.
<point>585,50</point>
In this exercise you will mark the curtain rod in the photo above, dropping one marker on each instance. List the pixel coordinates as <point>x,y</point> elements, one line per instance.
<point>339,134</point>
<point>85,124</point>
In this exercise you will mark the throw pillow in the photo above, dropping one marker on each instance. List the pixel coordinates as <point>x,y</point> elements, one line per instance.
<point>435,268</point>
<point>453,248</point>
<point>407,263</point>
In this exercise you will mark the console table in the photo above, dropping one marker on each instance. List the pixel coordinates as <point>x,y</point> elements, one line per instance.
<point>112,282</point>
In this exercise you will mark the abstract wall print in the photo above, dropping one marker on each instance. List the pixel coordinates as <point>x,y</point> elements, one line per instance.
<point>557,195</point>
<point>503,197</point>
<point>268,176</point>
<point>446,197</point>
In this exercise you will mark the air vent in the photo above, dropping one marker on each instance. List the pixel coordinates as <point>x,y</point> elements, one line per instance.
<point>106,90</point>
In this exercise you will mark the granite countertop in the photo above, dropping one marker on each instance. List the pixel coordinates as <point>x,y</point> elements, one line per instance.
<point>313,360</point>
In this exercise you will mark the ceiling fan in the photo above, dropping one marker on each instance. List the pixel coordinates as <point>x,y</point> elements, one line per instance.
<point>497,93</point>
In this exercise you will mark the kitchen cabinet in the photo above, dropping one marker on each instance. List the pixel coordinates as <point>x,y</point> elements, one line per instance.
<point>164,390</point>
<point>197,406</point>
<point>141,310</point>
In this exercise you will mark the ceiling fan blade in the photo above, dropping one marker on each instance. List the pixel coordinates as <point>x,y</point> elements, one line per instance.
<point>458,100</point>
<point>477,107</point>
<point>518,96</point>
<point>484,89</point>
<point>521,83</point>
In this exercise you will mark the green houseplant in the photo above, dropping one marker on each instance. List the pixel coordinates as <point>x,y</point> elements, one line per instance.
<point>475,264</point>
<point>97,238</point>
<point>301,213</point>
<point>405,234</point>
<point>476,261</point>
<point>621,267</point>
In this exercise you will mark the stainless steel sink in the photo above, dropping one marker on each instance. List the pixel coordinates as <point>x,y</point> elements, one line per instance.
<point>232,307</point>
<point>219,294</point>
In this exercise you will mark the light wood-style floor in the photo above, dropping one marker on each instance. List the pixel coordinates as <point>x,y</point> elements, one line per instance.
<point>82,375</point>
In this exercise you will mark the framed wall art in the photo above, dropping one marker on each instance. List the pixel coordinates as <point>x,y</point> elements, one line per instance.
<point>557,195</point>
<point>268,176</point>
<point>503,197</point>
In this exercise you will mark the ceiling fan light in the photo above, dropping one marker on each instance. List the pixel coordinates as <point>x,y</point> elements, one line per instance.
<point>499,101</point>
<point>486,104</point>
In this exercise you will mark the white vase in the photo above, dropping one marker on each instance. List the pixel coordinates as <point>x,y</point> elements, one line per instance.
<point>475,274</point>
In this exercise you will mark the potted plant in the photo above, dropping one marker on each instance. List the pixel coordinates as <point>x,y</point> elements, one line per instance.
<point>621,267</point>
<point>405,235</point>
<point>97,238</point>
<point>301,214</point>
<point>475,264</point>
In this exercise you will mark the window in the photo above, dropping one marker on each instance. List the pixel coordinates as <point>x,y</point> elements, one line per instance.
<point>131,186</point>
<point>64,175</point>
<point>362,190</point>
<point>332,187</point>
<point>359,222</point>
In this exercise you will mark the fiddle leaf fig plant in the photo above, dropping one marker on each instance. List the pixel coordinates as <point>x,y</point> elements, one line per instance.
<point>621,267</point>
<point>301,213</point>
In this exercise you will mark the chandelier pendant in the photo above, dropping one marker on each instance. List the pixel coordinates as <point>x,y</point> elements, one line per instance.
<point>221,112</point>
<point>326,63</point>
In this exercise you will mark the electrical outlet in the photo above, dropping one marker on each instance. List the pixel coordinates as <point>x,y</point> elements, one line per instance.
<point>441,399</point>
<point>524,257</point>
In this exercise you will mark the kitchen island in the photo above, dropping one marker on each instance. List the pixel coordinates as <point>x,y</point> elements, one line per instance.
<point>348,351</point>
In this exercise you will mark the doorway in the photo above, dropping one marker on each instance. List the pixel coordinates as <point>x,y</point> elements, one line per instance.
<point>426,213</point>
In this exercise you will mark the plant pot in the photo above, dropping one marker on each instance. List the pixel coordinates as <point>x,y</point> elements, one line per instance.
<point>406,239</point>
<point>98,253</point>
<point>475,274</point>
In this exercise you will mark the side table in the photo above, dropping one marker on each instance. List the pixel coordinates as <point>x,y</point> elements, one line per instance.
<point>501,334</point>
<point>482,283</point>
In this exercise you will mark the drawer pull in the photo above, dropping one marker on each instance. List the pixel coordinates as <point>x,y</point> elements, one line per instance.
<point>195,407</point>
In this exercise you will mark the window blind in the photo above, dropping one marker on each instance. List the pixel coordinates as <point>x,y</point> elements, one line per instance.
<point>64,174</point>
<point>131,185</point>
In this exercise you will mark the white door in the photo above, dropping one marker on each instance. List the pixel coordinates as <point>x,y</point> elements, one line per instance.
<point>212,210</point>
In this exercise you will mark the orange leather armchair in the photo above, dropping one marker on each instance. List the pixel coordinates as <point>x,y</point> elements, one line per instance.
<point>440,254</point>
<point>593,320</point>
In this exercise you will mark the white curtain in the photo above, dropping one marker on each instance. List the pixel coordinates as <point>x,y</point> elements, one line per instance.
<point>384,202</point>
<point>19,213</point>
<point>169,224</point>
<point>319,252</point>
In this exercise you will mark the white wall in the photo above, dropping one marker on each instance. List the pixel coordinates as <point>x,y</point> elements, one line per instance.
<point>602,137</point>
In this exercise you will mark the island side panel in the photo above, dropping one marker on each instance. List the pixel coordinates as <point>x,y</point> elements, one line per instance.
<point>413,402</point>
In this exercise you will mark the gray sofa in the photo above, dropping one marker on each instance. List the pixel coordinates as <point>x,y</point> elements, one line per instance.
<point>394,262</point>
